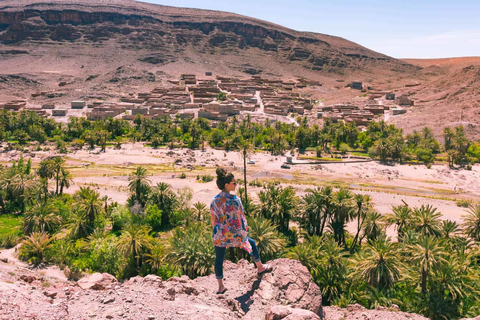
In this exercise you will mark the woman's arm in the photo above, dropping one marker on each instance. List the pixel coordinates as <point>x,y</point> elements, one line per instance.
<point>212,215</point>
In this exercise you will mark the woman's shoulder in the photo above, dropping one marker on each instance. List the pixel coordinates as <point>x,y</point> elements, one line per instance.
<point>221,197</point>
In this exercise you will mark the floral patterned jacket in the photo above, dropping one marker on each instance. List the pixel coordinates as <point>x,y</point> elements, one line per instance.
<point>230,229</point>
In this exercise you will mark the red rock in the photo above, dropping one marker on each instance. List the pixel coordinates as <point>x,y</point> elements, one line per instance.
<point>97,281</point>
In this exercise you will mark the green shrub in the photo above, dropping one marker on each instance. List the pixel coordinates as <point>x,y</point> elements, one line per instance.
<point>153,217</point>
<point>105,257</point>
<point>9,240</point>
<point>183,175</point>
<point>207,178</point>
<point>121,216</point>
<point>464,203</point>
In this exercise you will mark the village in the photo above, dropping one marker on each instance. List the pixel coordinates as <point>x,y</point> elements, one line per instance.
<point>217,98</point>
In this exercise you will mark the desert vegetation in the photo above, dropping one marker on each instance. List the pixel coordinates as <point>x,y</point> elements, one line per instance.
<point>430,267</point>
<point>380,141</point>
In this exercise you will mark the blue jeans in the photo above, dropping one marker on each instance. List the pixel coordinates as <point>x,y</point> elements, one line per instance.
<point>220,256</point>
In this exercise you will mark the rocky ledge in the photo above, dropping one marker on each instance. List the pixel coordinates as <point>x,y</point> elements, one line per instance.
<point>287,293</point>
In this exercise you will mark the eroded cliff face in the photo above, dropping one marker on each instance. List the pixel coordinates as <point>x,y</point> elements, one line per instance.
<point>168,35</point>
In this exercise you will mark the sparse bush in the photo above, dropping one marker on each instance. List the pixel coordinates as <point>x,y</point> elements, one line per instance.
<point>207,178</point>
<point>9,240</point>
<point>35,246</point>
<point>464,203</point>
<point>183,175</point>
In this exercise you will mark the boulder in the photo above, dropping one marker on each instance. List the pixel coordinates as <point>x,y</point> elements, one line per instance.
<point>288,313</point>
<point>97,281</point>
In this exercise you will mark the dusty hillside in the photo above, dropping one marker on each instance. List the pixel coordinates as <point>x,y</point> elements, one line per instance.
<point>454,63</point>
<point>450,97</point>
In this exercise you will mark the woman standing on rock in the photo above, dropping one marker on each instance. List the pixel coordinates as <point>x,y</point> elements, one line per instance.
<point>230,227</point>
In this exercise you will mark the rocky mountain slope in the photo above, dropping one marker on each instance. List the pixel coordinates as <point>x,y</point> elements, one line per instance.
<point>147,35</point>
<point>287,293</point>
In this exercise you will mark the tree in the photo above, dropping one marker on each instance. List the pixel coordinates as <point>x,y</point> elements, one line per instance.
<point>201,211</point>
<point>57,166</point>
<point>89,207</point>
<point>379,265</point>
<point>269,241</point>
<point>371,226</point>
<point>401,217</point>
<point>343,210</point>
<point>246,150</point>
<point>34,247</point>
<point>133,242</point>
<point>472,222</point>
<point>165,199</point>
<point>427,220</point>
<point>66,179</point>
<point>278,204</point>
<point>313,207</point>
<point>364,205</point>
<point>21,186</point>
<point>41,218</point>
<point>139,185</point>
<point>426,253</point>
<point>190,249</point>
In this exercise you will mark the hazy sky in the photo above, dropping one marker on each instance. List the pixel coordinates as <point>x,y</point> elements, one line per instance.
<point>401,29</point>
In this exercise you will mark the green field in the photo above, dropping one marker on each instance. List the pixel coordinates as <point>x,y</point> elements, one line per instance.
<point>8,223</point>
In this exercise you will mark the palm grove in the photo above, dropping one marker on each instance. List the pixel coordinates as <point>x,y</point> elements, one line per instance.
<point>431,269</point>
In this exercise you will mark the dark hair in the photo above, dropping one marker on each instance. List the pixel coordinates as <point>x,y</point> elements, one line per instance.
<point>223,178</point>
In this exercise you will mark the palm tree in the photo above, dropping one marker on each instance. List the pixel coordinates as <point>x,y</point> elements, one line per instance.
<point>246,149</point>
<point>133,242</point>
<point>343,211</point>
<point>330,272</point>
<point>327,199</point>
<point>89,205</point>
<point>427,253</point>
<point>277,204</point>
<point>269,241</point>
<point>41,218</point>
<point>34,246</point>
<point>364,205</point>
<point>200,210</point>
<point>380,265</point>
<point>313,207</point>
<point>139,184</point>
<point>78,225</point>
<point>166,200</point>
<point>308,252</point>
<point>46,169</point>
<point>427,220</point>
<point>401,217</point>
<point>449,229</point>
<point>372,227</point>
<point>472,222</point>
<point>65,179</point>
<point>191,250</point>
<point>20,186</point>
<point>57,166</point>
<point>156,256</point>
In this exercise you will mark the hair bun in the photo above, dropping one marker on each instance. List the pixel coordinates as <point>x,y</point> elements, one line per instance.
<point>221,172</point>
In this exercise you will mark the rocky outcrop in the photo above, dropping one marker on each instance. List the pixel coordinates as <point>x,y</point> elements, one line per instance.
<point>97,281</point>
<point>288,293</point>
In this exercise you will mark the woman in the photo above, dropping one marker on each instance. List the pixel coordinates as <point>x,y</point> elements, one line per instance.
<point>230,227</point>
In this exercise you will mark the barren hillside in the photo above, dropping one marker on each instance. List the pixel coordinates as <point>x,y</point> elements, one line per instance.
<point>85,42</point>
